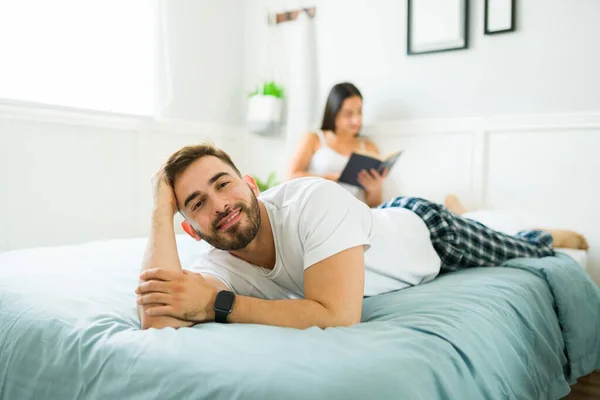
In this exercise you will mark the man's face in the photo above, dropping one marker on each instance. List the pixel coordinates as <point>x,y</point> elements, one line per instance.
<point>220,206</point>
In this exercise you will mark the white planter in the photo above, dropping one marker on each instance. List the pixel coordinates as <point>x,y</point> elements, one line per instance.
<point>264,114</point>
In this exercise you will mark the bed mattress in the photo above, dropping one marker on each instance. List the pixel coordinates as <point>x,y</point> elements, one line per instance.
<point>69,330</point>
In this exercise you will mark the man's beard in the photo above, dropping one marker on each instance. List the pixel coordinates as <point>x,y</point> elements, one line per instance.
<point>237,237</point>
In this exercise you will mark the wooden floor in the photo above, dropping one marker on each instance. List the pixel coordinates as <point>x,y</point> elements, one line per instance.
<point>587,388</point>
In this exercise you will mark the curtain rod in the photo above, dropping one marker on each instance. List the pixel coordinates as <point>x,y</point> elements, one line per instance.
<point>279,18</point>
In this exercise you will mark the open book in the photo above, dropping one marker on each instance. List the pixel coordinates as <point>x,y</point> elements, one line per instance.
<point>360,161</point>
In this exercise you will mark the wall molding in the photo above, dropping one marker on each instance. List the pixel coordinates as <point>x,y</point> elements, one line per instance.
<point>18,120</point>
<point>486,145</point>
<point>496,123</point>
<point>193,128</point>
<point>481,130</point>
<point>40,113</point>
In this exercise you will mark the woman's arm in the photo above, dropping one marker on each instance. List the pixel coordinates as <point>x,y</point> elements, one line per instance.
<point>301,158</point>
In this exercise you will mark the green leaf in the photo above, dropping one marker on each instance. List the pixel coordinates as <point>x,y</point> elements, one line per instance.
<point>269,89</point>
<point>268,184</point>
<point>271,180</point>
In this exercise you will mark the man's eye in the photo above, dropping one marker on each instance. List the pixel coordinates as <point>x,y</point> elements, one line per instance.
<point>198,205</point>
<point>222,185</point>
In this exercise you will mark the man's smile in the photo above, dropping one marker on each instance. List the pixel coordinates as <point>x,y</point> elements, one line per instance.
<point>229,220</point>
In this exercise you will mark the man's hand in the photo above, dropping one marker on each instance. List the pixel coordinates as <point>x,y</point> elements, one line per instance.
<point>182,294</point>
<point>165,322</point>
<point>164,196</point>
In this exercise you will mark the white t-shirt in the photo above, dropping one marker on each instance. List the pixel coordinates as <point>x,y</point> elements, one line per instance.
<point>313,219</point>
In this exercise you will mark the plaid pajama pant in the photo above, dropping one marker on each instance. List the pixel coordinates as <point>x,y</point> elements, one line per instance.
<point>461,242</point>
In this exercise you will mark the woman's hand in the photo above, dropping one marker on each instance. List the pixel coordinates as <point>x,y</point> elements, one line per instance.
<point>372,182</point>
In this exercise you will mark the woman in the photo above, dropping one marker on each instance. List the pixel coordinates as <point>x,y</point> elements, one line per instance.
<point>325,153</point>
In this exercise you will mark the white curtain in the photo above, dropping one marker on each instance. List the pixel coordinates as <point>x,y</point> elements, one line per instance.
<point>298,39</point>
<point>163,82</point>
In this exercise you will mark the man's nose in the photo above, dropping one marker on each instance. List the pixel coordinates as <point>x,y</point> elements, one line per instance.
<point>221,205</point>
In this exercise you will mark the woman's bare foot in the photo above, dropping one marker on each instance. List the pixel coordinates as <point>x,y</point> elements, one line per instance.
<point>453,204</point>
<point>568,239</point>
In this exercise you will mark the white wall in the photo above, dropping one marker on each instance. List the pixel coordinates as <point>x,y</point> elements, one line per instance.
<point>68,176</point>
<point>204,46</point>
<point>482,158</point>
<point>73,176</point>
<point>549,64</point>
<point>543,167</point>
<point>511,122</point>
<point>4,173</point>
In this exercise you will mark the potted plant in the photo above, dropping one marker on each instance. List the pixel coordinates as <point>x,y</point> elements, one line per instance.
<point>266,185</point>
<point>264,108</point>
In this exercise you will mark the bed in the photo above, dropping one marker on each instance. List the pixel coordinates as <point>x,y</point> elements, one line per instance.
<point>68,330</point>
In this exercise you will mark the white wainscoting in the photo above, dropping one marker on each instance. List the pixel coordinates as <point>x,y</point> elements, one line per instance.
<point>70,176</point>
<point>544,167</point>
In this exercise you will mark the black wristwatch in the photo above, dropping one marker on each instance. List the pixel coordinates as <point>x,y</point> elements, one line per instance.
<point>223,305</point>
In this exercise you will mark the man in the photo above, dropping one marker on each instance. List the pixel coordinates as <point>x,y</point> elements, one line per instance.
<point>302,254</point>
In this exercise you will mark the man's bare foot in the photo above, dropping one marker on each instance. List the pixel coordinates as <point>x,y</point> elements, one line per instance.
<point>453,204</point>
<point>568,239</point>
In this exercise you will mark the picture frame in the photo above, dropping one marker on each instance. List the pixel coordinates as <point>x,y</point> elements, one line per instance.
<point>435,26</point>
<point>499,16</point>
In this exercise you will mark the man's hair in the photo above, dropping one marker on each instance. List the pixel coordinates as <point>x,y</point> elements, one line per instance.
<point>179,161</point>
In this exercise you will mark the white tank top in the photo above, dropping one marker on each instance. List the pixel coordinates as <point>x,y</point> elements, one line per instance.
<point>328,161</point>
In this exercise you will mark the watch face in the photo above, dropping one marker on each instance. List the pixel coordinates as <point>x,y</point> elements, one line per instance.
<point>224,300</point>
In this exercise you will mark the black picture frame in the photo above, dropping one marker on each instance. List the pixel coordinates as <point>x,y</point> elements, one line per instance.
<point>410,50</point>
<point>513,16</point>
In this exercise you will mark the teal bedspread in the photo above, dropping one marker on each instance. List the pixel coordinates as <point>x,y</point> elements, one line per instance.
<point>68,330</point>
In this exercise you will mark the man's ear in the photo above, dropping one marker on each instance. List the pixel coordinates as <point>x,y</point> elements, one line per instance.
<point>252,183</point>
<point>190,230</point>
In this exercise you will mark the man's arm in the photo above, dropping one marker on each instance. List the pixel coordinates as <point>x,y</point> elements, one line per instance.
<point>333,290</point>
<point>161,250</point>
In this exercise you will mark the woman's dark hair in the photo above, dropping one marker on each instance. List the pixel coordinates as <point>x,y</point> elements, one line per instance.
<point>337,95</point>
